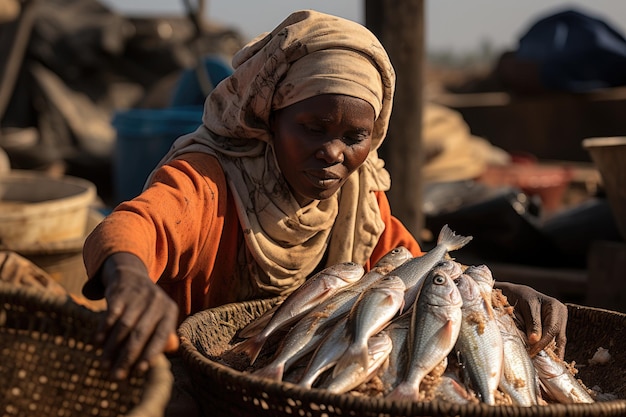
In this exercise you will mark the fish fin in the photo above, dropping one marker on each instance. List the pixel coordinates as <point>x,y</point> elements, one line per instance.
<point>404,391</point>
<point>271,371</point>
<point>445,333</point>
<point>256,326</point>
<point>355,353</point>
<point>444,337</point>
<point>451,239</point>
<point>251,347</point>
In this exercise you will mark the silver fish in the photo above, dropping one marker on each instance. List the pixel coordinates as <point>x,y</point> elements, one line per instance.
<point>483,276</point>
<point>435,325</point>
<point>371,312</point>
<point>335,344</point>
<point>391,372</point>
<point>314,290</point>
<point>479,342</point>
<point>307,333</point>
<point>450,389</point>
<point>394,258</point>
<point>558,381</point>
<point>390,260</point>
<point>387,263</point>
<point>378,348</point>
<point>413,271</point>
<point>519,378</point>
<point>330,349</point>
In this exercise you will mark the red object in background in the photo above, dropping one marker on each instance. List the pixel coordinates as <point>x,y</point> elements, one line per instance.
<point>548,181</point>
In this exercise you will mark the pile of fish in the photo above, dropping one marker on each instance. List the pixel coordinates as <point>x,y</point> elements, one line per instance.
<point>412,328</point>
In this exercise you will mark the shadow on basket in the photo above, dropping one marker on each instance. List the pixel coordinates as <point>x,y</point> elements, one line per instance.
<point>225,391</point>
<point>49,365</point>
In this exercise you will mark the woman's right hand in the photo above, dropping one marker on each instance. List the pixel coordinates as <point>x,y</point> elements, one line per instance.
<point>140,320</point>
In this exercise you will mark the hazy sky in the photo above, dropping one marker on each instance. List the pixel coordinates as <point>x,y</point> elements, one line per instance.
<point>459,25</point>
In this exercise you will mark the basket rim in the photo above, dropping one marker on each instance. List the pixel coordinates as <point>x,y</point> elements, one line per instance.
<point>159,378</point>
<point>192,357</point>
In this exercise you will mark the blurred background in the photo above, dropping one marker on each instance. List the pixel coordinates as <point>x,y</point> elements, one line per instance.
<point>500,97</point>
<point>459,31</point>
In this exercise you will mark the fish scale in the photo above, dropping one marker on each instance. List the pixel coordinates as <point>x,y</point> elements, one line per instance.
<point>413,271</point>
<point>370,313</point>
<point>479,342</point>
<point>435,325</point>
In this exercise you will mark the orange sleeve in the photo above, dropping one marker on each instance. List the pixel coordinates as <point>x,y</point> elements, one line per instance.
<point>394,235</point>
<point>170,225</point>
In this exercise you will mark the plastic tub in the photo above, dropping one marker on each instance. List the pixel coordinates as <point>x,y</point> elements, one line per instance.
<point>143,137</point>
<point>37,208</point>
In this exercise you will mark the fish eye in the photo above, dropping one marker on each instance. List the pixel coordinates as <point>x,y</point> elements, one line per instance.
<point>396,250</point>
<point>439,279</point>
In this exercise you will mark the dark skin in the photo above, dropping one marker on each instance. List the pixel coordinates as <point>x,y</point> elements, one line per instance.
<point>544,317</point>
<point>318,143</point>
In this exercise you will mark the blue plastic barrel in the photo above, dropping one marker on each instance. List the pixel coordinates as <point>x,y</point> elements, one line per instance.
<point>143,137</point>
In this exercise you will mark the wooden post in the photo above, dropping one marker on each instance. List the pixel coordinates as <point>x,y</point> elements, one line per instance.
<point>400,27</point>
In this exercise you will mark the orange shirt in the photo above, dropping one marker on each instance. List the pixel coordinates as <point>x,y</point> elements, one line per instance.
<point>186,231</point>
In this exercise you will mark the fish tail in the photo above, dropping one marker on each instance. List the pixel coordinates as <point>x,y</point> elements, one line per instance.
<point>451,240</point>
<point>354,354</point>
<point>307,382</point>
<point>404,391</point>
<point>251,347</point>
<point>271,371</point>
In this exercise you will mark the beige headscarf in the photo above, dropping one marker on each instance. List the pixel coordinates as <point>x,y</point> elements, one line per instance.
<point>308,54</point>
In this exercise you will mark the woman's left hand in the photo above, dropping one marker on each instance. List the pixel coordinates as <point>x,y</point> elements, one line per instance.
<point>544,317</point>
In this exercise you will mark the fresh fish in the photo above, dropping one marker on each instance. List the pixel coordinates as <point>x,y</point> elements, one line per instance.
<point>413,271</point>
<point>479,343</point>
<point>482,275</point>
<point>435,325</point>
<point>389,261</point>
<point>451,390</point>
<point>330,349</point>
<point>394,258</point>
<point>558,381</point>
<point>371,312</point>
<point>349,294</point>
<point>395,367</point>
<point>314,290</point>
<point>378,349</point>
<point>519,378</point>
<point>305,336</point>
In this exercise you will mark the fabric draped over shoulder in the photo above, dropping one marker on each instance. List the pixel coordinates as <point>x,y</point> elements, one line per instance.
<point>286,242</point>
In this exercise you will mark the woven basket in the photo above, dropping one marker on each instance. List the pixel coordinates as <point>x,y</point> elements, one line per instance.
<point>49,365</point>
<point>224,391</point>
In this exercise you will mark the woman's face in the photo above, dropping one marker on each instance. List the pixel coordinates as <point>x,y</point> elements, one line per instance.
<point>320,141</point>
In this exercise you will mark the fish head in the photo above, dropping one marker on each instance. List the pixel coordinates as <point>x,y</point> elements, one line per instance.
<point>346,271</point>
<point>394,258</point>
<point>452,268</point>
<point>440,288</point>
<point>468,288</point>
<point>391,282</point>
<point>482,275</point>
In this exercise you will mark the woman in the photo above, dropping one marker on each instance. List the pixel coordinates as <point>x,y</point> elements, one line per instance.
<point>281,180</point>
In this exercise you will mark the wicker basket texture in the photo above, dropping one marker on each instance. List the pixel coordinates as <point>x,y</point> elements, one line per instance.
<point>225,391</point>
<point>49,365</point>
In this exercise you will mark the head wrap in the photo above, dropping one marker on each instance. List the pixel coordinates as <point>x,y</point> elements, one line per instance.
<point>308,54</point>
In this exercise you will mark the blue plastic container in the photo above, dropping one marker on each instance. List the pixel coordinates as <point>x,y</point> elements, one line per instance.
<point>144,136</point>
